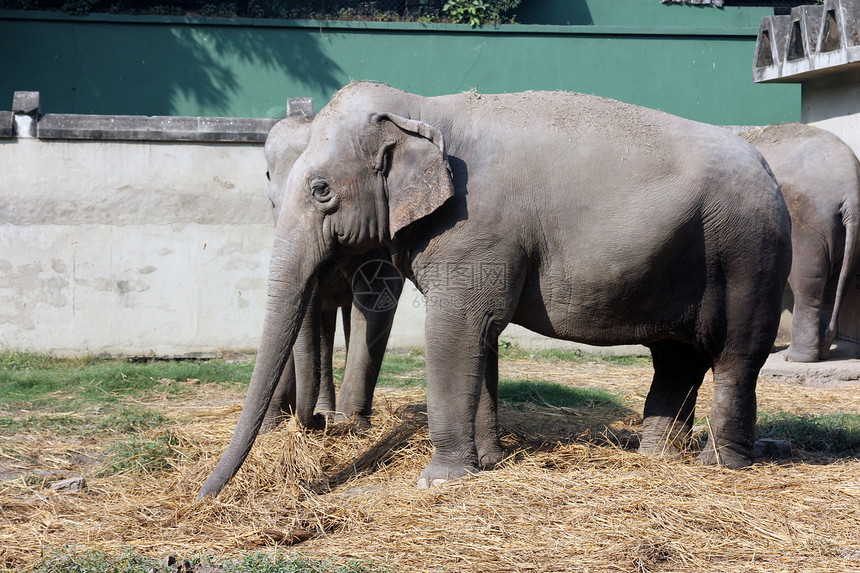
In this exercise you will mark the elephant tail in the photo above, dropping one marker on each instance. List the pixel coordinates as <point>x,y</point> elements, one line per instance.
<point>850,215</point>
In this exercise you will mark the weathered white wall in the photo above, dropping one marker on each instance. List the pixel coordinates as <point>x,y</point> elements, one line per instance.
<point>132,248</point>
<point>833,103</point>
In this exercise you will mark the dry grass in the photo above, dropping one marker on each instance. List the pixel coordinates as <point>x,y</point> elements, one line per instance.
<point>568,499</point>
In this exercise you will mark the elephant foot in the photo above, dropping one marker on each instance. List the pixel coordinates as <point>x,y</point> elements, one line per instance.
<point>315,422</point>
<point>438,473</point>
<point>730,455</point>
<point>664,438</point>
<point>356,421</point>
<point>793,354</point>
<point>491,457</point>
<point>664,451</point>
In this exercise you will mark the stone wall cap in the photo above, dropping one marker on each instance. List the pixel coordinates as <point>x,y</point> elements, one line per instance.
<point>154,128</point>
<point>26,103</point>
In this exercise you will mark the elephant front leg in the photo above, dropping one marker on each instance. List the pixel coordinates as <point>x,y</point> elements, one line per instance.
<point>326,399</point>
<point>307,356</point>
<point>670,406</point>
<point>455,359</point>
<point>371,319</point>
<point>283,401</point>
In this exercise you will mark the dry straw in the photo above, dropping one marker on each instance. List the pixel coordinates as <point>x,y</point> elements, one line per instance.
<point>571,497</point>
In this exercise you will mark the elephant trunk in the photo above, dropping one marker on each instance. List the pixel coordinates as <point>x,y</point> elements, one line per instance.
<point>292,275</point>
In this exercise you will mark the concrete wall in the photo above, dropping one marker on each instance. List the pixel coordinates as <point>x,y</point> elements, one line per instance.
<point>132,248</point>
<point>833,103</point>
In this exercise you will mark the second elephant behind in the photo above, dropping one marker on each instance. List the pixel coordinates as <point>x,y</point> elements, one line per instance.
<point>365,287</point>
<point>820,179</point>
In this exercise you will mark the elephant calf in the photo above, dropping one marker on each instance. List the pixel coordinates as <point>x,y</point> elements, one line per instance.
<point>578,217</point>
<point>820,178</point>
<point>368,285</point>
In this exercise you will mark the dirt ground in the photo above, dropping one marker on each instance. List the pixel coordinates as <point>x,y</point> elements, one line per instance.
<point>573,496</point>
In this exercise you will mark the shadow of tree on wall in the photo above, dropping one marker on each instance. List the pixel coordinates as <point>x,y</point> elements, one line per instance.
<point>229,63</point>
<point>160,68</point>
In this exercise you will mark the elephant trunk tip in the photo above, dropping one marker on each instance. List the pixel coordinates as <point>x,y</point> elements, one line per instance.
<point>207,492</point>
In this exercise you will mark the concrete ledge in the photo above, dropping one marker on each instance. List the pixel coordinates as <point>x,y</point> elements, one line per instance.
<point>7,128</point>
<point>156,128</point>
<point>810,42</point>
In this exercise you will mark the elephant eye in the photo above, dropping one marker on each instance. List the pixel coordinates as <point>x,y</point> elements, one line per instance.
<point>269,177</point>
<point>321,191</point>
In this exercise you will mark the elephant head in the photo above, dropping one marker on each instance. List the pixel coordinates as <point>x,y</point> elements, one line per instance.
<point>286,141</point>
<point>365,175</point>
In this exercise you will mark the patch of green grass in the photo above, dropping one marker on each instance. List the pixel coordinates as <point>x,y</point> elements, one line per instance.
<point>401,370</point>
<point>68,560</point>
<point>84,392</point>
<point>834,434</point>
<point>28,376</point>
<point>544,393</point>
<point>514,352</point>
<point>139,454</point>
<point>122,419</point>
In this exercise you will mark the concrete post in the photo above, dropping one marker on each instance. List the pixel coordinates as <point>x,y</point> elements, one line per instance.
<point>26,107</point>
<point>300,106</point>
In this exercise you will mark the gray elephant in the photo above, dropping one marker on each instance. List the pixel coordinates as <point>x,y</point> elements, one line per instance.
<point>820,178</point>
<point>366,288</point>
<point>575,216</point>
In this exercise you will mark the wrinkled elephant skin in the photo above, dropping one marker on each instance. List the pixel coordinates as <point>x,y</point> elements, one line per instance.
<point>577,217</point>
<point>820,179</point>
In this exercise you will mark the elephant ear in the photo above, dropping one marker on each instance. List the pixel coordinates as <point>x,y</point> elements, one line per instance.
<point>412,159</point>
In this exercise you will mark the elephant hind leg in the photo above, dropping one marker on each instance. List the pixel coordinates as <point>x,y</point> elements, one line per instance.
<point>806,341</point>
<point>679,369</point>
<point>826,335</point>
<point>731,426</point>
<point>808,278</point>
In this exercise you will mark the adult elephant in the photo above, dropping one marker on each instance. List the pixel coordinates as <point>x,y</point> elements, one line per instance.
<point>366,288</point>
<point>820,178</point>
<point>575,216</point>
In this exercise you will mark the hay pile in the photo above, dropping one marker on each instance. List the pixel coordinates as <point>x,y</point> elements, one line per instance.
<point>571,497</point>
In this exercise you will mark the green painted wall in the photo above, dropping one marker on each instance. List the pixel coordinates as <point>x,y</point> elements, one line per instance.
<point>691,61</point>
<point>636,13</point>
